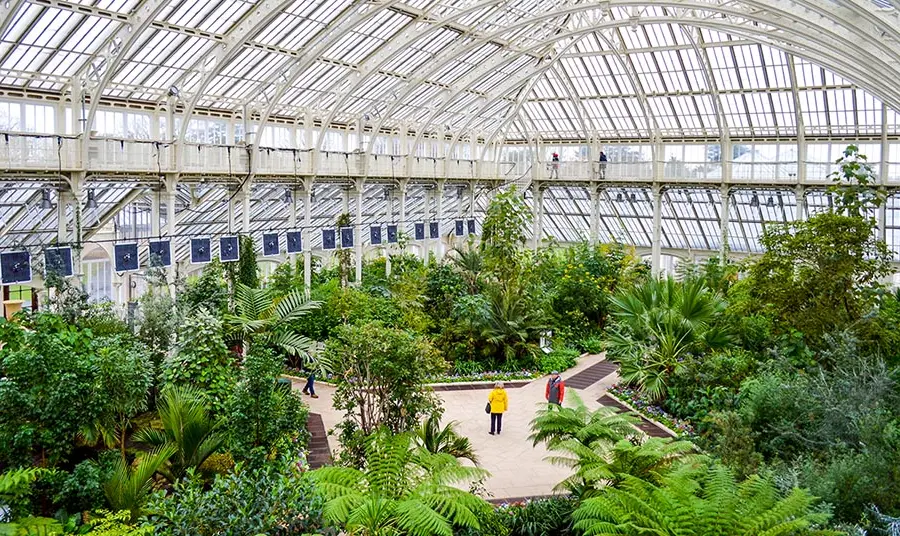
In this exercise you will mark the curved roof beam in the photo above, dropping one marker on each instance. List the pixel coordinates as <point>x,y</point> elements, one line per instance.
<point>586,123</point>
<point>627,66</point>
<point>439,60</point>
<point>820,47</point>
<point>254,21</point>
<point>354,15</point>
<point>139,22</point>
<point>696,38</point>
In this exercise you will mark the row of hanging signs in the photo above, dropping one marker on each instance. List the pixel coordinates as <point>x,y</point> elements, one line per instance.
<point>15,266</point>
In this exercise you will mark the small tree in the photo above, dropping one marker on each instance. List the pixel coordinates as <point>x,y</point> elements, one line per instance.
<point>504,233</point>
<point>381,374</point>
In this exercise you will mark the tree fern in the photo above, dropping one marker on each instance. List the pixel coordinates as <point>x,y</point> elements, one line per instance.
<point>711,503</point>
<point>436,439</point>
<point>402,490</point>
<point>577,421</point>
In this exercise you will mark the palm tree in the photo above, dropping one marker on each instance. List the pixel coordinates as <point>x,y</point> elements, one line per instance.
<point>262,318</point>
<point>402,490</point>
<point>711,504</point>
<point>188,429</point>
<point>470,263</point>
<point>436,440</point>
<point>129,488</point>
<point>513,322</point>
<point>576,421</point>
<point>658,325</point>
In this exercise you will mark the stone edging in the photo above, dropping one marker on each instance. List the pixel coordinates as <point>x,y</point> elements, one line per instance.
<point>654,422</point>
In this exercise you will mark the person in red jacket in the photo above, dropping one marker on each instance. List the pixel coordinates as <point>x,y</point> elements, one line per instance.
<point>556,389</point>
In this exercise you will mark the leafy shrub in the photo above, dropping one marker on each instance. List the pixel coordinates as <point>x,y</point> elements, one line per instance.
<point>202,360</point>
<point>591,345</point>
<point>48,394</point>
<point>270,498</point>
<point>105,523</point>
<point>261,416</point>
<point>559,360</point>
<point>540,517</point>
<point>209,291</point>
<point>467,367</point>
<point>82,489</point>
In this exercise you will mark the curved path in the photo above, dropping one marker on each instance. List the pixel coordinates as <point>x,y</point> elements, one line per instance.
<point>517,468</point>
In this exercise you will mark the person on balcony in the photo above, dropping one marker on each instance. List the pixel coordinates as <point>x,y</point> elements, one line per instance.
<point>603,162</point>
<point>554,166</point>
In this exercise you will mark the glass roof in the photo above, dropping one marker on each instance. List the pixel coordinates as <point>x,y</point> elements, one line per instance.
<point>543,67</point>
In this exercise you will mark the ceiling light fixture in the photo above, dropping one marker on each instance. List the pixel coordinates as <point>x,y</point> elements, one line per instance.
<point>91,201</point>
<point>45,200</point>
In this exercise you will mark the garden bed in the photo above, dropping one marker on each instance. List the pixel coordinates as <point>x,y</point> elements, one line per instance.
<point>484,378</point>
<point>642,405</point>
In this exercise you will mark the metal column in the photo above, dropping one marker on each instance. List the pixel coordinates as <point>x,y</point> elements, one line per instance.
<point>656,244</point>
<point>724,219</point>
<point>595,215</point>
<point>307,240</point>
<point>439,207</point>
<point>358,242</point>
<point>538,212</point>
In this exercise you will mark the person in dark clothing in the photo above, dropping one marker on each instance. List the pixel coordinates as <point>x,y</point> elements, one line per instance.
<point>603,162</point>
<point>556,389</point>
<point>309,388</point>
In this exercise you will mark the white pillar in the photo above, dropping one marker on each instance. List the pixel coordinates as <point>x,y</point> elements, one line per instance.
<point>232,203</point>
<point>538,208</point>
<point>62,202</point>
<point>171,190</point>
<point>800,196</point>
<point>426,244</point>
<point>358,241</point>
<point>292,223</point>
<point>307,241</point>
<point>439,207</point>
<point>724,218</point>
<point>389,218</point>
<point>245,212</point>
<point>595,216</point>
<point>656,241</point>
<point>154,213</point>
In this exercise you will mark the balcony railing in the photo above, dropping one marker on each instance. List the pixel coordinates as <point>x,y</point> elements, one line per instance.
<point>48,153</point>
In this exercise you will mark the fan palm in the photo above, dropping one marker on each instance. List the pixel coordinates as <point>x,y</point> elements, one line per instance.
<point>658,325</point>
<point>712,504</point>
<point>576,421</point>
<point>513,322</point>
<point>128,488</point>
<point>470,263</point>
<point>436,440</point>
<point>262,318</point>
<point>188,429</point>
<point>402,491</point>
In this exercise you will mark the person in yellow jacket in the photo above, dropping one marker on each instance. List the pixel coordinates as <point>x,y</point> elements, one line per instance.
<point>499,403</point>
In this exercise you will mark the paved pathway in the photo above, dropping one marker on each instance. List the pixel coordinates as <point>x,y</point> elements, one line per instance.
<point>517,468</point>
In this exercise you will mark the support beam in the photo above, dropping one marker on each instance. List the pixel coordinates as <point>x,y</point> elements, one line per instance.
<point>307,239</point>
<point>800,196</point>
<point>595,215</point>
<point>537,217</point>
<point>724,218</point>
<point>439,208</point>
<point>358,243</point>
<point>656,240</point>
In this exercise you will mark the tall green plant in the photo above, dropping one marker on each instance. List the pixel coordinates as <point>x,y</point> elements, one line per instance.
<point>262,319</point>
<point>201,360</point>
<point>504,233</point>
<point>188,431</point>
<point>402,490</point>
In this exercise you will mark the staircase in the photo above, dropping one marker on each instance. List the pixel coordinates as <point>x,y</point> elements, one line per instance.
<point>319,451</point>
